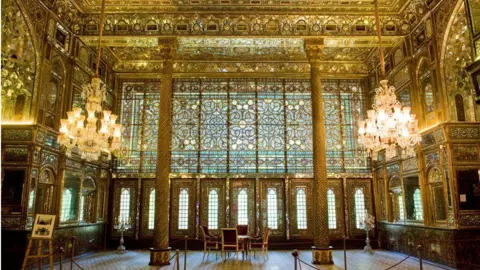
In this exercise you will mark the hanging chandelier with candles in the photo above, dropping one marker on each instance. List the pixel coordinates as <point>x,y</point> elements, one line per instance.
<point>389,125</point>
<point>97,132</point>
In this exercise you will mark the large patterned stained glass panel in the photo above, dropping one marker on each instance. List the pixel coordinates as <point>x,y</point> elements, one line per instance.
<point>262,126</point>
<point>298,110</point>
<point>213,126</point>
<point>242,127</point>
<point>344,104</point>
<point>271,126</point>
<point>139,117</point>
<point>185,123</point>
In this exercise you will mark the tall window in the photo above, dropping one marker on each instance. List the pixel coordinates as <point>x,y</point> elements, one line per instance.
<point>213,209</point>
<point>301,209</point>
<point>242,207</point>
<point>359,208</point>
<point>400,206</point>
<point>66,204</point>
<point>332,215</point>
<point>82,208</point>
<point>151,209</point>
<point>417,204</point>
<point>124,211</point>
<point>272,214</point>
<point>183,209</point>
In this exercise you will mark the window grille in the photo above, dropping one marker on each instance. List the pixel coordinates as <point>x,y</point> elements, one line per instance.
<point>301,209</point>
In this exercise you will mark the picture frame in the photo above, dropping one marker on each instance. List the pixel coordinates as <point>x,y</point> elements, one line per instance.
<point>43,226</point>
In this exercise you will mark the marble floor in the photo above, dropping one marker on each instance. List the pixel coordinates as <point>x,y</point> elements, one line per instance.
<point>356,259</point>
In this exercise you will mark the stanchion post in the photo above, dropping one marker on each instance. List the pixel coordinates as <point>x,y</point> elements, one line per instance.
<point>185,255</point>
<point>61,251</point>
<point>177,252</point>
<point>345,251</point>
<point>72,250</point>
<point>295,258</point>
<point>419,254</point>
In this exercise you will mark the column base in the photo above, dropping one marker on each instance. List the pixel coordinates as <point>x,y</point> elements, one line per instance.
<point>159,256</point>
<point>322,255</point>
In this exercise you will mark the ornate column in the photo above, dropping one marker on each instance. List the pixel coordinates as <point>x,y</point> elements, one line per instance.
<point>321,252</point>
<point>160,253</point>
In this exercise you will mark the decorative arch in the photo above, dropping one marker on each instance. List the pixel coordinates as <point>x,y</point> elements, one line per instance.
<point>19,63</point>
<point>35,30</point>
<point>456,53</point>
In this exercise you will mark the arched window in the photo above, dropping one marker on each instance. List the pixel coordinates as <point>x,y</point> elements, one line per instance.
<point>213,209</point>
<point>417,204</point>
<point>272,215</point>
<point>66,204</point>
<point>242,207</point>
<point>183,209</point>
<point>332,215</point>
<point>151,209</point>
<point>301,209</point>
<point>400,206</point>
<point>82,208</point>
<point>124,213</point>
<point>359,208</point>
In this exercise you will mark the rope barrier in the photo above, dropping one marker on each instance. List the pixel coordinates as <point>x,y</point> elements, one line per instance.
<point>404,259</point>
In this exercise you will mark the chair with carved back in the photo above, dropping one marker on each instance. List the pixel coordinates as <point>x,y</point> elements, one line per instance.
<point>210,241</point>
<point>261,246</point>
<point>229,242</point>
<point>242,229</point>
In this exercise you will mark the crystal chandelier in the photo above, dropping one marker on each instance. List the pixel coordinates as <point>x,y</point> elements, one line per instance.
<point>389,125</point>
<point>91,135</point>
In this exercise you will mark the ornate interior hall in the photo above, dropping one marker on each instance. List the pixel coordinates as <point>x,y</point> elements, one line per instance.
<point>131,129</point>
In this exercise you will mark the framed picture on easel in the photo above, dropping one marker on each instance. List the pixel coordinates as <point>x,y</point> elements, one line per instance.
<point>43,226</point>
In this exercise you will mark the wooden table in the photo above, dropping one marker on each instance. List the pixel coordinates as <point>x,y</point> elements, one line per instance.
<point>244,239</point>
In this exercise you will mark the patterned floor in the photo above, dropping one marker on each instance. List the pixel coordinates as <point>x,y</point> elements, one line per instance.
<point>138,259</point>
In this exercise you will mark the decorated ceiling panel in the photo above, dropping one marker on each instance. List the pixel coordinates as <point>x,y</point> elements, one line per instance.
<point>229,5</point>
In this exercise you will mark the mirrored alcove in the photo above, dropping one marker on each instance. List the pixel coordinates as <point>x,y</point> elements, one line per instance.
<point>413,198</point>
<point>70,197</point>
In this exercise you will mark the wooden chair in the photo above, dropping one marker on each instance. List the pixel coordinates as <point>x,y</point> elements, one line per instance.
<point>229,241</point>
<point>242,229</point>
<point>263,245</point>
<point>210,241</point>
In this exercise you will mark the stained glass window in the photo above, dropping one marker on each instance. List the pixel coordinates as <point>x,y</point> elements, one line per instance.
<point>124,211</point>
<point>400,206</point>
<point>332,215</point>
<point>242,127</point>
<point>185,126</point>
<point>271,126</point>
<point>151,209</point>
<point>344,103</point>
<point>242,206</point>
<point>66,204</point>
<point>298,109</point>
<point>213,209</point>
<point>360,210</point>
<point>301,209</point>
<point>272,214</point>
<point>417,204</point>
<point>139,117</point>
<point>183,209</point>
<point>262,126</point>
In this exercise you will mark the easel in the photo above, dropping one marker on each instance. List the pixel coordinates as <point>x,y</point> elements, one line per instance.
<point>39,255</point>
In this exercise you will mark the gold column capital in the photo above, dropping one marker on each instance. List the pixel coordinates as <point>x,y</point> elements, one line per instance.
<point>314,49</point>
<point>168,47</point>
